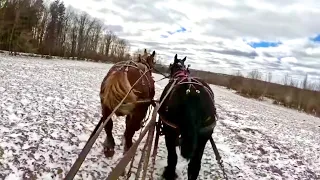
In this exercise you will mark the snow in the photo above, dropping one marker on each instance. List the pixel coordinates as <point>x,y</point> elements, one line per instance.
<point>48,108</point>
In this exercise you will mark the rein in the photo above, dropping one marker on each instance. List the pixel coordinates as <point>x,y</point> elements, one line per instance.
<point>160,73</point>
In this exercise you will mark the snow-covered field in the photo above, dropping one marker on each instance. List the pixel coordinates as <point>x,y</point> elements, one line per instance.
<point>48,109</point>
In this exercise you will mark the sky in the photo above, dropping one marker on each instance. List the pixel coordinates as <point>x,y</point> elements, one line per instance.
<point>277,36</point>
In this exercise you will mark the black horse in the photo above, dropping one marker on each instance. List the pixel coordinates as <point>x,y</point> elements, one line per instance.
<point>189,110</point>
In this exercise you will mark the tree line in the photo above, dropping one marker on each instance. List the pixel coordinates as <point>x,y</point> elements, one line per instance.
<point>286,81</point>
<point>31,26</point>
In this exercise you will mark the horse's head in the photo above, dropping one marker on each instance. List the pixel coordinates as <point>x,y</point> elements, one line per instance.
<point>178,67</point>
<point>147,59</point>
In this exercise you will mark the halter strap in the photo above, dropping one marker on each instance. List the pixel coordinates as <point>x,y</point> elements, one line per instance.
<point>180,74</point>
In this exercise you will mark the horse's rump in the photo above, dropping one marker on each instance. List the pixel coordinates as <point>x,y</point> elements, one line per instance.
<point>198,90</point>
<point>207,96</point>
<point>189,106</point>
<point>119,82</point>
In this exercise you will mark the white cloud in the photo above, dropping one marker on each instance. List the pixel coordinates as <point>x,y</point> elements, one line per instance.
<point>218,31</point>
<point>289,60</point>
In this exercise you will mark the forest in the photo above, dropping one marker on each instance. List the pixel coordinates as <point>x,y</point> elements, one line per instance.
<point>32,26</point>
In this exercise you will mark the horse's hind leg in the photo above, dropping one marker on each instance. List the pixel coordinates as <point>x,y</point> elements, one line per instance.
<point>194,165</point>
<point>172,159</point>
<point>133,124</point>
<point>109,141</point>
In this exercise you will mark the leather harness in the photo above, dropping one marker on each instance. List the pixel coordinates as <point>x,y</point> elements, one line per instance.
<point>180,77</point>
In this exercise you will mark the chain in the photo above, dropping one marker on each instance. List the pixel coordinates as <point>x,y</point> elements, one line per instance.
<point>220,162</point>
<point>218,158</point>
<point>129,171</point>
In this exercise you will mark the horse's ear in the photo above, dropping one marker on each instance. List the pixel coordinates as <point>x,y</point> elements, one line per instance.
<point>139,58</point>
<point>184,59</point>
<point>153,53</point>
<point>176,58</point>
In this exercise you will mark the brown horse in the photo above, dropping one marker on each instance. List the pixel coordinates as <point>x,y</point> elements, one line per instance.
<point>121,78</point>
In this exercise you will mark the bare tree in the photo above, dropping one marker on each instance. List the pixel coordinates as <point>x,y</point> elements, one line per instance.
<point>97,35</point>
<point>305,82</point>
<point>34,26</point>
<point>255,74</point>
<point>83,20</point>
<point>269,78</point>
<point>293,83</point>
<point>108,38</point>
<point>318,84</point>
<point>238,73</point>
<point>12,36</point>
<point>121,48</point>
<point>286,79</point>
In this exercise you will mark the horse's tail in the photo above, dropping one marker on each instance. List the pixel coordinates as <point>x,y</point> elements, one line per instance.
<point>115,88</point>
<point>190,125</point>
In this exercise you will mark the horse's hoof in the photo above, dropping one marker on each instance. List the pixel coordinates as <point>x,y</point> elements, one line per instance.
<point>108,152</point>
<point>169,174</point>
<point>123,173</point>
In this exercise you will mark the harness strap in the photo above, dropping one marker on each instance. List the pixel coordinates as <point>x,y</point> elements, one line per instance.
<point>136,66</point>
<point>168,123</point>
<point>204,129</point>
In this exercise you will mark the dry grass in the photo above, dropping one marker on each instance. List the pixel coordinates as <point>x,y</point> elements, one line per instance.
<point>287,95</point>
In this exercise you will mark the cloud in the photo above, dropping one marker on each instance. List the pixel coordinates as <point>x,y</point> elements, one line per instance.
<point>221,36</point>
<point>234,52</point>
<point>115,28</point>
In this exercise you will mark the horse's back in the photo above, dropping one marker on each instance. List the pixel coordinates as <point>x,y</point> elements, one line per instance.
<point>204,83</point>
<point>195,92</point>
<point>145,87</point>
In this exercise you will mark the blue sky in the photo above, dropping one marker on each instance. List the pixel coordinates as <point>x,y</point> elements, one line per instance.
<point>169,33</point>
<point>264,44</point>
<point>316,38</point>
<point>221,36</point>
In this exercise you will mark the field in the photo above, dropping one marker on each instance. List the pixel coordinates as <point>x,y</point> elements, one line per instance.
<point>48,109</point>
